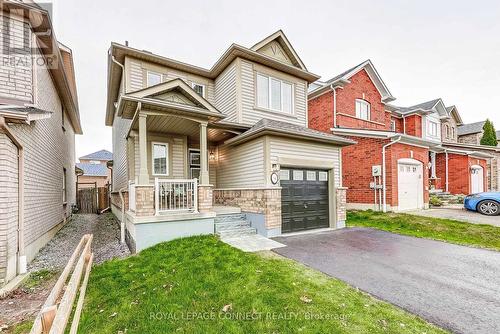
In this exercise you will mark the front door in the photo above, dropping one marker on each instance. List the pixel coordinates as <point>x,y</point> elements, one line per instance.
<point>304,199</point>
<point>477,179</point>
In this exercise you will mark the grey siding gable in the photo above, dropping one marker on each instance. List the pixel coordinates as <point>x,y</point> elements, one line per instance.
<point>251,114</point>
<point>226,93</point>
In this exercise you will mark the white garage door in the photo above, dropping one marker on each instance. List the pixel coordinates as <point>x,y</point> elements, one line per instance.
<point>477,179</point>
<point>410,185</point>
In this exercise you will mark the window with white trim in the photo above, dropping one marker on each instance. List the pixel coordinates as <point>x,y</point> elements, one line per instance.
<point>160,158</point>
<point>274,94</point>
<point>199,89</point>
<point>64,193</point>
<point>432,128</point>
<point>362,109</point>
<point>152,78</point>
<point>393,125</point>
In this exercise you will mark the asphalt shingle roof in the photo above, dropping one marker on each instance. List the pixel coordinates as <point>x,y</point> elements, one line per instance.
<point>99,155</point>
<point>288,128</point>
<point>467,129</point>
<point>344,73</point>
<point>93,169</point>
<point>424,106</point>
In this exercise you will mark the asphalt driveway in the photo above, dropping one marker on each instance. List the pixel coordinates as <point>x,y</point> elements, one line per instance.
<point>455,287</point>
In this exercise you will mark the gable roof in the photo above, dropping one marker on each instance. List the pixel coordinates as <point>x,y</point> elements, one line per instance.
<point>182,98</point>
<point>269,126</point>
<point>103,155</point>
<point>282,40</point>
<point>93,169</point>
<point>424,108</point>
<point>118,52</point>
<point>343,78</point>
<point>453,112</point>
<point>467,129</point>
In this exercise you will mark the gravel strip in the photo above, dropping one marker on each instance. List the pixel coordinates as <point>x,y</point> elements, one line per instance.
<point>105,245</point>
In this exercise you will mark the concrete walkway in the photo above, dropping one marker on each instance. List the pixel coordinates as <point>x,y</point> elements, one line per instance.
<point>252,243</point>
<point>455,287</point>
<point>458,213</point>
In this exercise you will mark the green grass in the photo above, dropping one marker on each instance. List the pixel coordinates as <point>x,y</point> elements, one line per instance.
<point>483,236</point>
<point>183,286</point>
<point>37,278</point>
<point>21,328</point>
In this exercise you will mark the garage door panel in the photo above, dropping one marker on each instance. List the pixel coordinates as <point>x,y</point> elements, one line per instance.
<point>410,185</point>
<point>304,201</point>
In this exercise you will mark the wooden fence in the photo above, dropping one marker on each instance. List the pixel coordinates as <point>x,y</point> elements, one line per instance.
<point>92,199</point>
<point>55,313</point>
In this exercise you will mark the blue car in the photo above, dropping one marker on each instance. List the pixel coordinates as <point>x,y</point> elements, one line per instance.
<point>485,203</point>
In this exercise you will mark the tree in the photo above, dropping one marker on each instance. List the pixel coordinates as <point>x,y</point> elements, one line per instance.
<point>489,136</point>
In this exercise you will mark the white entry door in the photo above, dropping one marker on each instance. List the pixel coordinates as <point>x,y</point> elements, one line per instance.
<point>477,179</point>
<point>410,185</point>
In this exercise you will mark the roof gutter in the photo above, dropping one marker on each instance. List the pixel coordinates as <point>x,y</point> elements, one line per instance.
<point>384,174</point>
<point>21,261</point>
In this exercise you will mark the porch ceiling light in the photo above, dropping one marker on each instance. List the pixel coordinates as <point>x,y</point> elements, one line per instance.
<point>212,155</point>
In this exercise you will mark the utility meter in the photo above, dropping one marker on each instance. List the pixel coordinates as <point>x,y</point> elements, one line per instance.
<point>377,170</point>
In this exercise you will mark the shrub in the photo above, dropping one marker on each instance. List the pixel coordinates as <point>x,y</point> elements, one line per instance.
<point>435,201</point>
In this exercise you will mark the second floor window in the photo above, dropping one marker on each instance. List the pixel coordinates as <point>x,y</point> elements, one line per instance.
<point>160,159</point>
<point>452,132</point>
<point>363,109</point>
<point>393,125</point>
<point>432,129</point>
<point>274,94</point>
<point>153,78</point>
<point>199,89</point>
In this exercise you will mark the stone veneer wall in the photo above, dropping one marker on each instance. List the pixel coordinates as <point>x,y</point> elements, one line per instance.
<point>263,201</point>
<point>205,198</point>
<point>144,201</point>
<point>341,210</point>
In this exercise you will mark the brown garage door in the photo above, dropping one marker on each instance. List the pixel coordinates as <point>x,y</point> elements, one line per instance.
<point>304,199</point>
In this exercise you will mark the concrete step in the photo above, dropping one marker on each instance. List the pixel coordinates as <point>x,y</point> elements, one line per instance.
<point>230,218</point>
<point>237,232</point>
<point>223,210</point>
<point>231,225</point>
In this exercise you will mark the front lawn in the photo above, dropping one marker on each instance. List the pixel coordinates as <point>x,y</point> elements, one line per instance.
<point>453,231</point>
<point>201,285</point>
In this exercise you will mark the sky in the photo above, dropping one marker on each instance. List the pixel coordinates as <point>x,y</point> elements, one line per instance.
<point>422,49</point>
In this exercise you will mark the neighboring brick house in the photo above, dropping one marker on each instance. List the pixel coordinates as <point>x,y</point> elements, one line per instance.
<point>38,122</point>
<point>191,143</point>
<point>95,169</point>
<point>393,165</point>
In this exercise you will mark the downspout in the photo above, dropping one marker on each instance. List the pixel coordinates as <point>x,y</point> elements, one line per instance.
<point>404,124</point>
<point>123,72</point>
<point>122,223</point>
<point>334,105</point>
<point>22,262</point>
<point>385,172</point>
<point>446,157</point>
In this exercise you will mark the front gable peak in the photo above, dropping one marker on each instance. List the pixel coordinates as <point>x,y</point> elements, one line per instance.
<point>278,47</point>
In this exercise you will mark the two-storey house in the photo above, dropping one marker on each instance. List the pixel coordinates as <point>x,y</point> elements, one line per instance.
<point>191,143</point>
<point>38,122</point>
<point>95,169</point>
<point>394,164</point>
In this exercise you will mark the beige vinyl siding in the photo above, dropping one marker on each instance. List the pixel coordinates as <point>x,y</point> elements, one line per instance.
<point>137,74</point>
<point>16,80</point>
<point>291,148</point>
<point>241,166</point>
<point>225,93</point>
<point>177,156</point>
<point>251,114</point>
<point>8,208</point>
<point>47,150</point>
<point>120,160</point>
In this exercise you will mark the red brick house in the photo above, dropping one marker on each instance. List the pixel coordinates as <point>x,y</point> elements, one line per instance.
<point>399,155</point>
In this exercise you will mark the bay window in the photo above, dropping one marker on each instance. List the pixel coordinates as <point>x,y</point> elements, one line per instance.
<point>274,94</point>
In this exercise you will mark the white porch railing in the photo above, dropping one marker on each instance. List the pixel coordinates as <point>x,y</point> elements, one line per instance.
<point>131,196</point>
<point>173,195</point>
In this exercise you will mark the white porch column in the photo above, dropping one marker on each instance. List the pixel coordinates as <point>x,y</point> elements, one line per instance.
<point>143,151</point>
<point>204,179</point>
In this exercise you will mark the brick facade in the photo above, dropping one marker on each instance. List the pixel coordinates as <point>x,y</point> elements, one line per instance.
<point>459,173</point>
<point>263,201</point>
<point>205,198</point>
<point>413,125</point>
<point>144,201</point>
<point>320,111</point>
<point>116,200</point>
